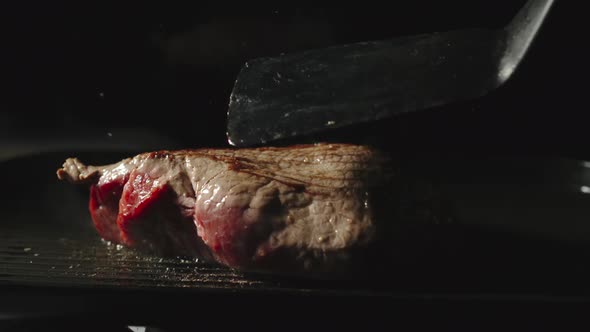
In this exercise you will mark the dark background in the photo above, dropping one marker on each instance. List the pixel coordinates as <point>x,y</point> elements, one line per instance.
<point>170,67</point>
<point>131,77</point>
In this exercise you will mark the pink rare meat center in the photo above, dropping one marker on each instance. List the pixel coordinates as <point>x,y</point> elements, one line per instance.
<point>104,208</point>
<point>140,195</point>
<point>140,211</point>
<point>225,233</point>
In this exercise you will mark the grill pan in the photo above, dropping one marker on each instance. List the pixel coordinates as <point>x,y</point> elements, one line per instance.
<point>53,264</point>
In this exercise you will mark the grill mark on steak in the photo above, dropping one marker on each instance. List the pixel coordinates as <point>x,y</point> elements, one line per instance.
<point>300,208</point>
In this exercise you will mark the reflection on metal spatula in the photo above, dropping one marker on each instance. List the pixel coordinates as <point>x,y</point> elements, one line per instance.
<point>304,93</point>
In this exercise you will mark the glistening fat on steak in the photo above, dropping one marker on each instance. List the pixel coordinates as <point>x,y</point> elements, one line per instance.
<point>300,208</point>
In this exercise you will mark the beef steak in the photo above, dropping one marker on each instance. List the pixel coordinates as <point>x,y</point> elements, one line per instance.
<point>300,208</point>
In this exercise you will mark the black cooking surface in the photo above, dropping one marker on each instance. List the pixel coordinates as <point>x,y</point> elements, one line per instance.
<point>76,260</point>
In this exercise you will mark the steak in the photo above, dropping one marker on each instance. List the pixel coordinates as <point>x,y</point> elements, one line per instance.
<point>302,208</point>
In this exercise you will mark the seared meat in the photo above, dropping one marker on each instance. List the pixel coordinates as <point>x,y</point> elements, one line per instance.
<point>299,208</point>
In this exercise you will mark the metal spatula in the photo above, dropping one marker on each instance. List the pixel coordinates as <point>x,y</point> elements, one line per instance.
<point>304,93</point>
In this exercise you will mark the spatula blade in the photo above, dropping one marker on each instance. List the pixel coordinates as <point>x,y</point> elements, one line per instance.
<point>303,93</point>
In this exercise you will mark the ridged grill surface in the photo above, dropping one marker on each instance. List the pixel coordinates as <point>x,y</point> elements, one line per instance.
<point>45,259</point>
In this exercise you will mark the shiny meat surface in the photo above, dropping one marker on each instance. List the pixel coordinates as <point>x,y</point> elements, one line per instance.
<point>301,208</point>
